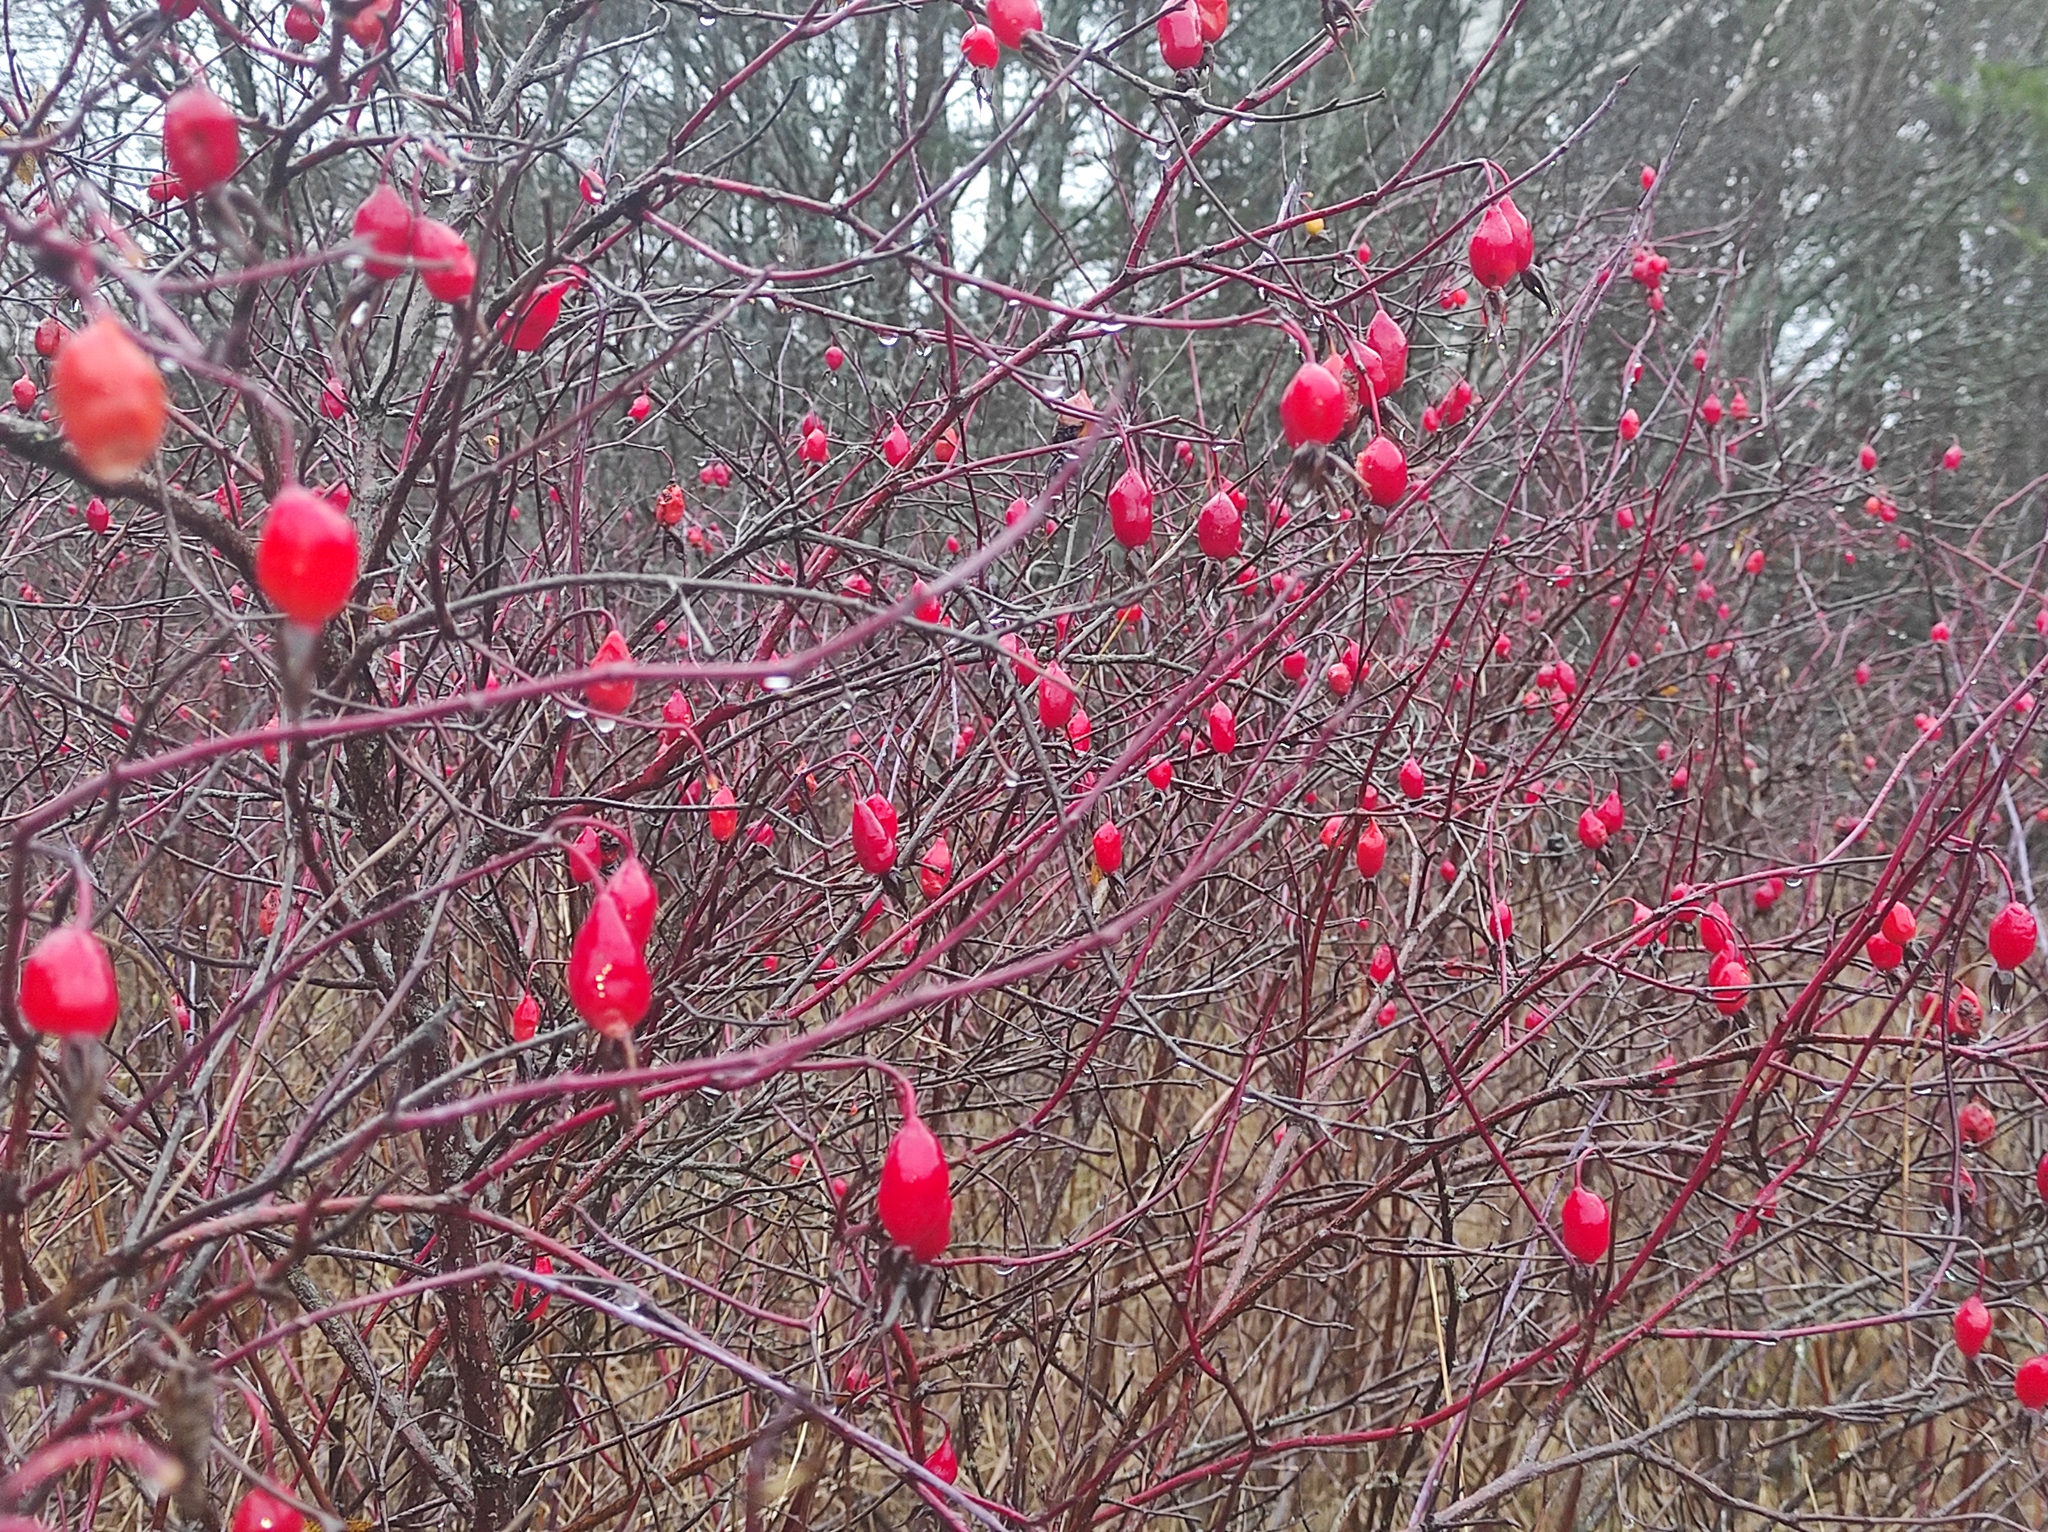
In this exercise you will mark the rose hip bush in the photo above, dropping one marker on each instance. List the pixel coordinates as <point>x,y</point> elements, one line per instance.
<point>686,843</point>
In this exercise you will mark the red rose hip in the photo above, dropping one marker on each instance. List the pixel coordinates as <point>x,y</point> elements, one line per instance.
<point>874,834</point>
<point>1219,528</point>
<point>1972,1325</point>
<point>1108,847</point>
<point>110,400</point>
<point>1584,1224</point>
<point>67,985</point>
<point>385,225</point>
<point>1313,408</point>
<point>915,1200</point>
<point>261,1511</point>
<point>306,561</point>
<point>1384,468</point>
<point>1180,37</point>
<point>1011,20</point>
<point>1372,849</point>
<point>979,48</point>
<point>608,980</point>
<point>445,263</point>
<point>202,144</point>
<point>2014,934</point>
<point>633,891</point>
<point>1130,509</point>
<point>2030,1383</point>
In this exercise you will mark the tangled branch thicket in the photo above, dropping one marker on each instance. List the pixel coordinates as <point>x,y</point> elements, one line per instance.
<point>1258,1158</point>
